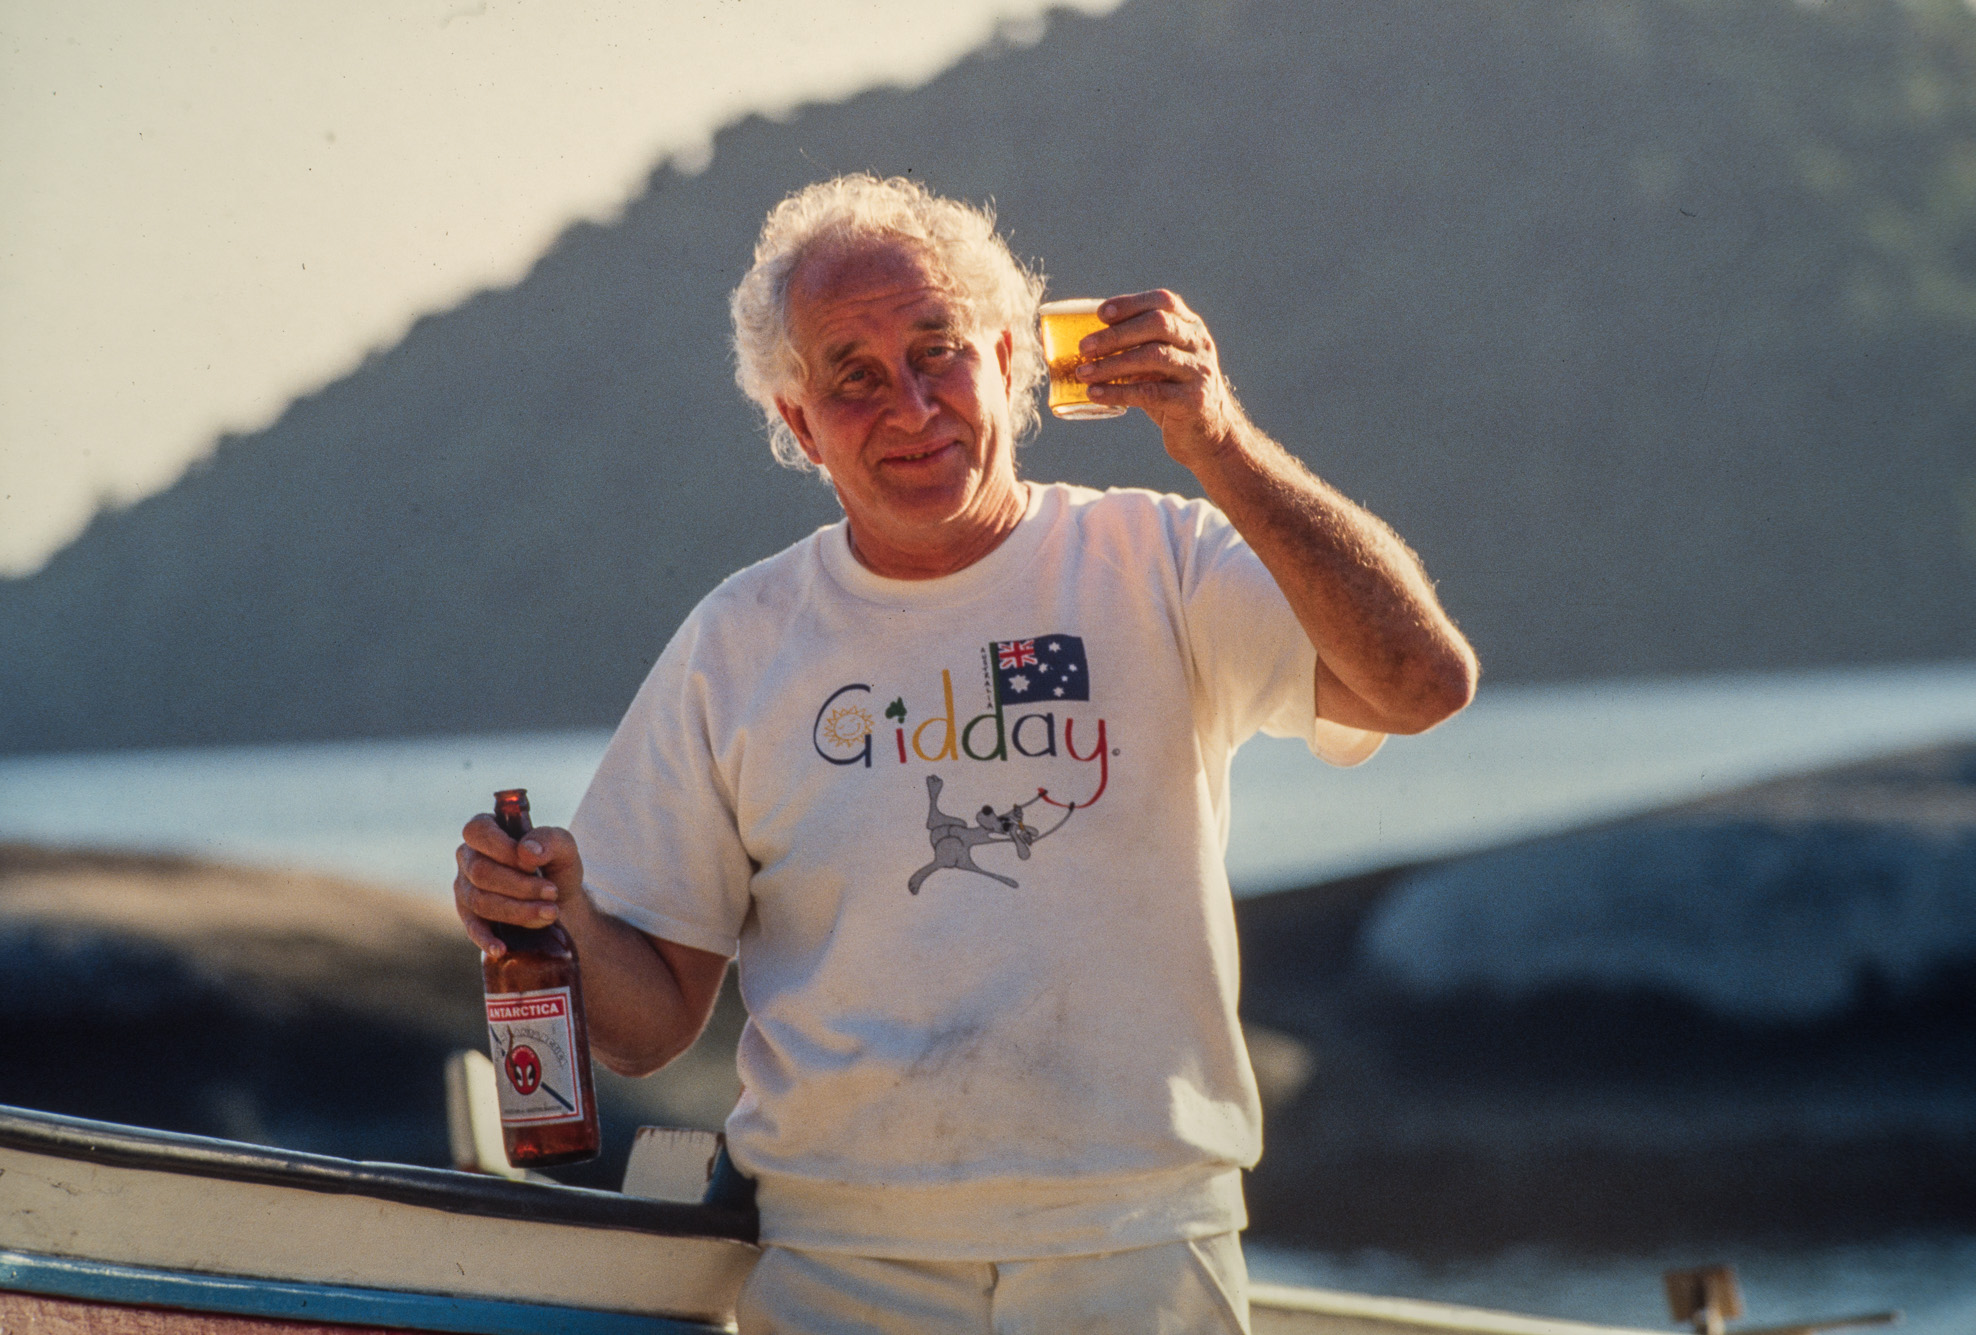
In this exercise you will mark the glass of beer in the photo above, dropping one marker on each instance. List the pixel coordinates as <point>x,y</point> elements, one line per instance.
<point>1065,323</point>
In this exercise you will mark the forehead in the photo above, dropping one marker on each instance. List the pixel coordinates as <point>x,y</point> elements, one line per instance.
<point>849,296</point>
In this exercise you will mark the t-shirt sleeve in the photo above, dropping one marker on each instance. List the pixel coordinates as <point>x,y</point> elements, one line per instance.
<point>1251,656</point>
<point>657,831</point>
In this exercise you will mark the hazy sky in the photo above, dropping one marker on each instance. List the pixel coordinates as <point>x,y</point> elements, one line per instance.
<point>209,206</point>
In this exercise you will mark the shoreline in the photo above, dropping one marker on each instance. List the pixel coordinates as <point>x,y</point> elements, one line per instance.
<point>313,1011</point>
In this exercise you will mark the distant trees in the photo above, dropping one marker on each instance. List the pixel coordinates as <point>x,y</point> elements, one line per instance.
<point>1651,322</point>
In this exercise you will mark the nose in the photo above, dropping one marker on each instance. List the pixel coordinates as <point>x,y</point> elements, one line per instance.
<point>914,405</point>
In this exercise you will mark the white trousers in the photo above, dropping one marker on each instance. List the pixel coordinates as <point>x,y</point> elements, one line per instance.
<point>1178,1288</point>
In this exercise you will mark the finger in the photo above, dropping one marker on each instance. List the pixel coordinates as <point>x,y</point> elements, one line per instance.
<point>483,835</point>
<point>497,878</point>
<point>470,901</point>
<point>1151,361</point>
<point>1157,397</point>
<point>1121,308</point>
<point>478,928</point>
<point>551,852</point>
<point>478,931</point>
<point>1179,328</point>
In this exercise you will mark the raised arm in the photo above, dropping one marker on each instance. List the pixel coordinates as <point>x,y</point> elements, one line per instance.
<point>1388,657</point>
<point>645,998</point>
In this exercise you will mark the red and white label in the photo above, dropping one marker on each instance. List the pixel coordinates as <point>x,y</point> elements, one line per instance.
<point>533,1039</point>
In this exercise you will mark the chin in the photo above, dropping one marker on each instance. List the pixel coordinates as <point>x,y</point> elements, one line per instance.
<point>929,505</point>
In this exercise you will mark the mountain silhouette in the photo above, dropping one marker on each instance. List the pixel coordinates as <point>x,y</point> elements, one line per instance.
<point>1650,325</point>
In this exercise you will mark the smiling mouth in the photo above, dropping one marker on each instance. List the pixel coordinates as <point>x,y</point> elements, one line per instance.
<point>927,453</point>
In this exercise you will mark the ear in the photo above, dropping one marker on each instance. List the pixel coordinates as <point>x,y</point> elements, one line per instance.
<point>800,425</point>
<point>1005,357</point>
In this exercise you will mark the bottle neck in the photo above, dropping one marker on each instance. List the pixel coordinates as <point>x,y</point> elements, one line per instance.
<point>511,814</point>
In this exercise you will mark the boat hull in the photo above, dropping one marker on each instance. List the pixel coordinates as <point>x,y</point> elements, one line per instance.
<point>49,1295</point>
<point>96,1213</point>
<point>117,1231</point>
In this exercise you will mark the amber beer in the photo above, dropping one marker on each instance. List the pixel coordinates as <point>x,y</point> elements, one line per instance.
<point>535,1028</point>
<point>1065,324</point>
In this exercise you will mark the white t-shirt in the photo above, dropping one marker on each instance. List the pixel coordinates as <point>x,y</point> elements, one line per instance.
<point>966,836</point>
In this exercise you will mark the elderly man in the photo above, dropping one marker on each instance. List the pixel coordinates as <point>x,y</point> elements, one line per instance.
<point>950,778</point>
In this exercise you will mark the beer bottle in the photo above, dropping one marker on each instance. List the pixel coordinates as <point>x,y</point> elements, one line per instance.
<point>541,1047</point>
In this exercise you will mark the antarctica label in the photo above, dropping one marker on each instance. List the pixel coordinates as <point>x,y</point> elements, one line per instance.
<point>533,1038</point>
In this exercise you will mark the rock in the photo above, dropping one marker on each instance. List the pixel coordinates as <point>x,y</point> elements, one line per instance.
<point>279,1008</point>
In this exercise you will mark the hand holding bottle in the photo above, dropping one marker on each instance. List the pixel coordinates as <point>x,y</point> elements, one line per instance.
<point>649,997</point>
<point>523,880</point>
<point>535,1022</point>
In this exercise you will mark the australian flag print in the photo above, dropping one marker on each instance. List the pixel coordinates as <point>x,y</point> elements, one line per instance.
<point>1034,672</point>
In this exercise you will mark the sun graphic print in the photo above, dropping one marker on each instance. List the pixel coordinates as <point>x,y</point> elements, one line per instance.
<point>847,727</point>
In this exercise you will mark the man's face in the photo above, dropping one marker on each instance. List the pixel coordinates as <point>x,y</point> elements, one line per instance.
<point>906,403</point>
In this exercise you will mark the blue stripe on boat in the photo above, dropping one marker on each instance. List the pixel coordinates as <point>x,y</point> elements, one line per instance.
<point>99,1281</point>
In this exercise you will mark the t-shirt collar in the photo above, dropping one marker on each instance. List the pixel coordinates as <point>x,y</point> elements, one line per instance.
<point>833,548</point>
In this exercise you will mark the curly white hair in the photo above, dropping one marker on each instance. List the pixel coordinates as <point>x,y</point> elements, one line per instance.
<point>998,290</point>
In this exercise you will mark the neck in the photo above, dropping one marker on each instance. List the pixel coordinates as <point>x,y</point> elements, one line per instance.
<point>958,545</point>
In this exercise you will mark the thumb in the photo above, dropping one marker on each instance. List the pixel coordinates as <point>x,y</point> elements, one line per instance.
<point>550,852</point>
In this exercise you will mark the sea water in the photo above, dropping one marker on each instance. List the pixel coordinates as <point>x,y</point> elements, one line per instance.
<point>1930,1279</point>
<point>386,811</point>
<point>1523,761</point>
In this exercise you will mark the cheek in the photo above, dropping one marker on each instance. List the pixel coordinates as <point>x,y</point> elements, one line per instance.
<point>974,394</point>
<point>842,426</point>
<point>991,400</point>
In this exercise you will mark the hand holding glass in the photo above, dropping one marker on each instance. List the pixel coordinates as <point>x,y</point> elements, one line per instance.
<point>1065,323</point>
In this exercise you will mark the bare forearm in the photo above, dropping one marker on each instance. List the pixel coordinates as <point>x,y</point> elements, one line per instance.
<point>1389,659</point>
<point>640,1012</point>
<point>645,999</point>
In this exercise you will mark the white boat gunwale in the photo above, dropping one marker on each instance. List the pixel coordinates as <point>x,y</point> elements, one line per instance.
<point>108,1278</point>
<point>113,1145</point>
<point>537,1256</point>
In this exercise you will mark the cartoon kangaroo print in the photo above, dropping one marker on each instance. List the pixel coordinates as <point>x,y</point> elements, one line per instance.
<point>954,840</point>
